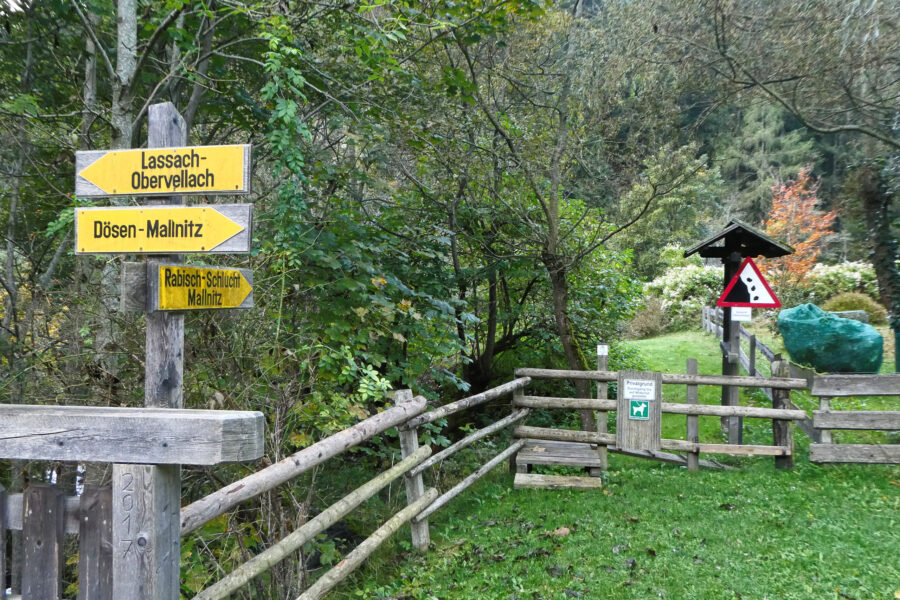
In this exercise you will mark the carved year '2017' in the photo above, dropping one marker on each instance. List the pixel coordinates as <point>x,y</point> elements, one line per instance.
<point>126,503</point>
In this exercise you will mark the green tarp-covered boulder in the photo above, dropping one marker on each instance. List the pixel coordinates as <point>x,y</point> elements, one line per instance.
<point>828,343</point>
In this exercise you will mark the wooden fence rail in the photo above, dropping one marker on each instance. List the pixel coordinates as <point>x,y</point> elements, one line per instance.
<point>264,561</point>
<point>782,383</point>
<point>407,416</point>
<point>196,514</point>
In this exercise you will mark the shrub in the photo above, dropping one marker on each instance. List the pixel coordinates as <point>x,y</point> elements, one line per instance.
<point>825,281</point>
<point>649,321</point>
<point>857,301</point>
<point>684,291</point>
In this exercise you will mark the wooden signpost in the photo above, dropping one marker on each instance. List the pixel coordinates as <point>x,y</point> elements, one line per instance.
<point>146,498</point>
<point>731,245</point>
<point>163,171</point>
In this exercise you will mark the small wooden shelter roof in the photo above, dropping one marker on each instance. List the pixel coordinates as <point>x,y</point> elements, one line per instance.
<point>742,238</point>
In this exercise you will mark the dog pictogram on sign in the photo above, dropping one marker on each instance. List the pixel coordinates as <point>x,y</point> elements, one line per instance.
<point>749,288</point>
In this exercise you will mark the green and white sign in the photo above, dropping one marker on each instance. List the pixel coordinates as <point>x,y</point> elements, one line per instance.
<point>639,410</point>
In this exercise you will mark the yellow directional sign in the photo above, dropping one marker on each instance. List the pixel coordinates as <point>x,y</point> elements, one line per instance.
<point>163,171</point>
<point>196,288</point>
<point>223,228</point>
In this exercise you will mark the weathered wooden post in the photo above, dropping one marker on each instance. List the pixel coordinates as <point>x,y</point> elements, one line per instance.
<point>95,545</point>
<point>782,431</point>
<point>731,356</point>
<point>602,424</point>
<point>2,543</point>
<point>639,411</point>
<point>43,534</point>
<point>693,425</point>
<point>751,357</point>
<point>147,499</point>
<point>415,485</point>
<point>514,466</point>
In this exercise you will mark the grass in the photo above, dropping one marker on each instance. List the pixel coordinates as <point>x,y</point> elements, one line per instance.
<point>658,531</point>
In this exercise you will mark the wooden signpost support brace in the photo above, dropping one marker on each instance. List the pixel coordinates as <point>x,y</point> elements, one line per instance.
<point>731,347</point>
<point>415,485</point>
<point>147,499</point>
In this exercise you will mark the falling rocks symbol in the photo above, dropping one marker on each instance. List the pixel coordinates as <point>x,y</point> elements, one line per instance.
<point>749,288</point>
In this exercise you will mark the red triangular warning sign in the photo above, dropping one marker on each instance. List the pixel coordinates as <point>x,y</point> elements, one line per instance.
<point>749,288</point>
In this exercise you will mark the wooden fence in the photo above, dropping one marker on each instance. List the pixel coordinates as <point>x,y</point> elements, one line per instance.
<point>781,416</point>
<point>44,515</point>
<point>828,387</point>
<point>757,354</point>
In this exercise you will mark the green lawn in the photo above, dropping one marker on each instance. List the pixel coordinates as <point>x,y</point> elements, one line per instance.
<point>658,531</point>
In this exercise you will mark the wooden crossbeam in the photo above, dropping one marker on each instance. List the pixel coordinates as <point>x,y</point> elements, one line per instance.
<point>130,435</point>
<point>879,420</point>
<point>837,386</point>
<point>855,453</point>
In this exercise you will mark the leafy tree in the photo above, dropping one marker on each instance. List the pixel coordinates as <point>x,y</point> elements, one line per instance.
<point>795,220</point>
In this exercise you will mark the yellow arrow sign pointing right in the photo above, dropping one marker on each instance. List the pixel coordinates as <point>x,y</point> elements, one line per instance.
<point>196,288</point>
<point>163,229</point>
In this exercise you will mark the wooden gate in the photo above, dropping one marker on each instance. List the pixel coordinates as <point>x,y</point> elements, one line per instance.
<point>827,387</point>
<point>578,448</point>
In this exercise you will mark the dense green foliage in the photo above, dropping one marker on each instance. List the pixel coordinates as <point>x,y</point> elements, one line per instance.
<point>856,301</point>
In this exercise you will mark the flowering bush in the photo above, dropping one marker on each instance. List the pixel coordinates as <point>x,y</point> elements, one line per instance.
<point>825,281</point>
<point>684,291</point>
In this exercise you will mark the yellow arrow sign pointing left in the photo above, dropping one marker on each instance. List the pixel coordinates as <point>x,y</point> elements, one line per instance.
<point>196,288</point>
<point>224,228</point>
<point>163,171</point>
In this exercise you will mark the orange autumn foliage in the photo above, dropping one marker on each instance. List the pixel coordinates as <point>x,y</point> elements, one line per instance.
<point>795,221</point>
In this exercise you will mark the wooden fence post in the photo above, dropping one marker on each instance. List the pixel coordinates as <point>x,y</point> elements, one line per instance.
<point>2,543</point>
<point>43,534</point>
<point>751,356</point>
<point>95,545</point>
<point>825,434</point>
<point>782,431</point>
<point>693,425</point>
<point>602,421</point>
<point>147,500</point>
<point>518,394</point>
<point>415,486</point>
